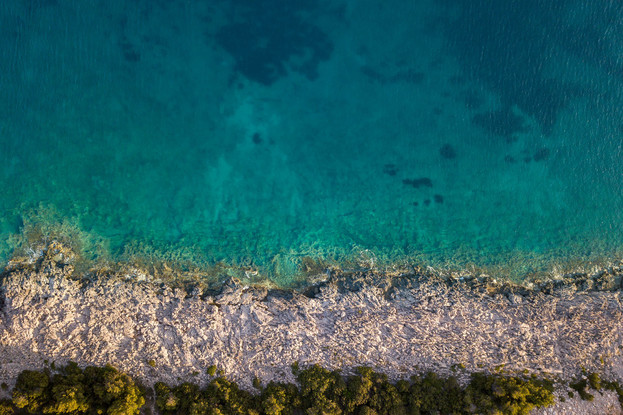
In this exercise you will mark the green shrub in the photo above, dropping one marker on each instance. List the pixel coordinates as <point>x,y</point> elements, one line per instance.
<point>67,398</point>
<point>31,390</point>
<point>6,407</point>
<point>166,401</point>
<point>358,390</point>
<point>114,392</point>
<point>434,394</point>
<point>385,399</point>
<point>280,399</point>
<point>257,383</point>
<point>187,395</point>
<point>615,387</point>
<point>74,391</point>
<point>510,395</point>
<point>594,381</point>
<point>67,392</point>
<point>230,399</point>
<point>321,390</point>
<point>371,392</point>
<point>221,396</point>
<point>581,388</point>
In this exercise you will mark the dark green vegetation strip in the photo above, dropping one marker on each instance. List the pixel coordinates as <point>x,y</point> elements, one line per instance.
<point>104,390</point>
<point>72,390</point>
<point>366,393</point>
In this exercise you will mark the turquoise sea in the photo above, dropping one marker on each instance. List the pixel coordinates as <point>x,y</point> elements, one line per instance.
<point>278,138</point>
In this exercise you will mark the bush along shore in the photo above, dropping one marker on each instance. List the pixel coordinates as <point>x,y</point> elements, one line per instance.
<point>104,390</point>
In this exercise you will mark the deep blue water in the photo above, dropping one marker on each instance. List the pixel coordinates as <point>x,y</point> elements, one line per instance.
<point>281,137</point>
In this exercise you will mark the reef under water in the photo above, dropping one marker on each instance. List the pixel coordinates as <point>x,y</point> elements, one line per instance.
<point>279,142</point>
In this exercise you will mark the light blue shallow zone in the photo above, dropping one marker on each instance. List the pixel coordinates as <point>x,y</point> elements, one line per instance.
<point>131,129</point>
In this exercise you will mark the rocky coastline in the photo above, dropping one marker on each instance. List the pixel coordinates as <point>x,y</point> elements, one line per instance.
<point>400,325</point>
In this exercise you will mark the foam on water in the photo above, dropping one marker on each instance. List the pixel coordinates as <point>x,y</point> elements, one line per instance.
<point>277,140</point>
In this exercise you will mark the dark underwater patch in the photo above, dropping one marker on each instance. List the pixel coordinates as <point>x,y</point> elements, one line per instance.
<point>373,74</point>
<point>502,123</point>
<point>590,40</point>
<point>268,39</point>
<point>409,76</point>
<point>390,169</point>
<point>417,183</point>
<point>541,154</point>
<point>506,45</point>
<point>447,151</point>
<point>130,54</point>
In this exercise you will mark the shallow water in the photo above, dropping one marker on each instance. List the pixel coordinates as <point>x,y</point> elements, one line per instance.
<point>269,135</point>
